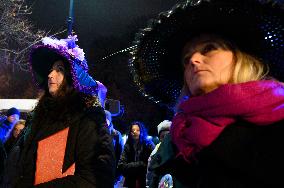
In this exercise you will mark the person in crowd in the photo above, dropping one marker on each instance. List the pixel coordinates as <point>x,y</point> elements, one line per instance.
<point>6,127</point>
<point>67,142</point>
<point>117,143</point>
<point>19,126</point>
<point>229,122</point>
<point>163,129</point>
<point>133,161</point>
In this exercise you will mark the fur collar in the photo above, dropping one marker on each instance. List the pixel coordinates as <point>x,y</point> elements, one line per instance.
<point>60,112</point>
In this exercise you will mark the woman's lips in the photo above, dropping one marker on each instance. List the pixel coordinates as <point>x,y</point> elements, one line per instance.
<point>197,71</point>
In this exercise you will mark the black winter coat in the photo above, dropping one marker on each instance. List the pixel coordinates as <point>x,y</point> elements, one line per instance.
<point>133,163</point>
<point>243,156</point>
<point>89,145</point>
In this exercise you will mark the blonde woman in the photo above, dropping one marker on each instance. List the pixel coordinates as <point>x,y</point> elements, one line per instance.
<point>19,126</point>
<point>228,126</point>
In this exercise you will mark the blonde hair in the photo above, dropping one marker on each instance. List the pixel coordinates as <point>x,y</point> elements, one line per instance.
<point>21,121</point>
<point>248,68</point>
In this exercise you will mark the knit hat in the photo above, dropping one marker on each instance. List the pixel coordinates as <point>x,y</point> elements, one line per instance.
<point>254,26</point>
<point>13,111</point>
<point>43,56</point>
<point>164,126</point>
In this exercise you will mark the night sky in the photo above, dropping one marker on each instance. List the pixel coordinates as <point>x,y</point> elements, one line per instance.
<point>104,27</point>
<point>98,19</point>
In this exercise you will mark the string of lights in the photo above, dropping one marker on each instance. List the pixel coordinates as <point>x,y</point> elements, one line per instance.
<point>131,48</point>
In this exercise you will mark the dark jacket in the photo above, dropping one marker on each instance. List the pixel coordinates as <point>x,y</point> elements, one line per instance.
<point>118,148</point>
<point>2,158</point>
<point>9,143</point>
<point>89,145</point>
<point>5,130</point>
<point>243,156</point>
<point>133,163</point>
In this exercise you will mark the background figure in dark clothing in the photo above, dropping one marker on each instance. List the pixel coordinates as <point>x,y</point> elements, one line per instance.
<point>5,148</point>
<point>163,129</point>
<point>6,127</point>
<point>117,143</point>
<point>19,126</point>
<point>134,159</point>
<point>66,142</point>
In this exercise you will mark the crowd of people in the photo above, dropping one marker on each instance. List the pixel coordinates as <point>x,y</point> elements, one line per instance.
<point>69,140</point>
<point>131,157</point>
<point>10,127</point>
<point>227,130</point>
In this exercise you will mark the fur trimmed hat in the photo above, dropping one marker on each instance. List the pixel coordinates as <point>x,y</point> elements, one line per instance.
<point>164,126</point>
<point>43,56</point>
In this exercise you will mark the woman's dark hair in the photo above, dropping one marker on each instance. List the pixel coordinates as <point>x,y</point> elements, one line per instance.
<point>143,132</point>
<point>67,99</point>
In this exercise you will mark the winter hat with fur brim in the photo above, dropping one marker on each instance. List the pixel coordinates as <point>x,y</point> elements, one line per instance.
<point>164,126</point>
<point>254,26</point>
<point>43,56</point>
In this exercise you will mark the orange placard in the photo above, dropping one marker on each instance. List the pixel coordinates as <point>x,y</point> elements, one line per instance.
<point>50,157</point>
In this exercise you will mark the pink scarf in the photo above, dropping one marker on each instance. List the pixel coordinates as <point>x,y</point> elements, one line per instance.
<point>202,119</point>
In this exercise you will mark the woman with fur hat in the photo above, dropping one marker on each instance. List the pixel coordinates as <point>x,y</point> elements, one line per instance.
<point>163,129</point>
<point>229,122</point>
<point>66,142</point>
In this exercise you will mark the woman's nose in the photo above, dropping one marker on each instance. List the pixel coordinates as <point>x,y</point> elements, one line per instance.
<point>51,74</point>
<point>196,58</point>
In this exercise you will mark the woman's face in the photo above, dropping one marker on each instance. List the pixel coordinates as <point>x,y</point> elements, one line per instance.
<point>17,130</point>
<point>56,77</point>
<point>135,132</point>
<point>207,68</point>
